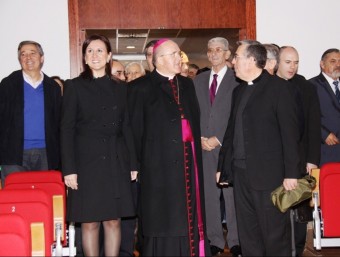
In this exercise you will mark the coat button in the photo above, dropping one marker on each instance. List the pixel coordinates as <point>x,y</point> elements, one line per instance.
<point>104,108</point>
<point>103,157</point>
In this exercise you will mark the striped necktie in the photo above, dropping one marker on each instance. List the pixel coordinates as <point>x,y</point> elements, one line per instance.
<point>337,92</point>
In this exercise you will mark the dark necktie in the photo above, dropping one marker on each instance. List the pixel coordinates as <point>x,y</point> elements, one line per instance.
<point>337,92</point>
<point>213,89</point>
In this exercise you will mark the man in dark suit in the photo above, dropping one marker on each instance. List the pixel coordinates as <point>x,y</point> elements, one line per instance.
<point>165,120</point>
<point>260,152</point>
<point>214,120</point>
<point>30,103</point>
<point>327,88</point>
<point>310,126</point>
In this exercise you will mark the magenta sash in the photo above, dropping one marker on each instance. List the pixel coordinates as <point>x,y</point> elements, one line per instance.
<point>187,137</point>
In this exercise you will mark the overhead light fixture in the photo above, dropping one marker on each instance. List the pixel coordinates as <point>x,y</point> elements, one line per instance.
<point>129,57</point>
<point>130,47</point>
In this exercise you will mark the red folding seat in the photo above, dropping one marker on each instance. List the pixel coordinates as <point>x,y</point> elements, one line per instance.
<point>15,237</point>
<point>49,181</point>
<point>34,176</point>
<point>329,199</point>
<point>326,217</point>
<point>35,206</point>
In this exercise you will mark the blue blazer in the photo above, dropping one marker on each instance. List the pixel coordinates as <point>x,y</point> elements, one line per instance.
<point>330,118</point>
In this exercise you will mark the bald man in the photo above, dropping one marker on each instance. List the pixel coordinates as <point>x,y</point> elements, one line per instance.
<point>117,70</point>
<point>166,124</point>
<point>310,126</point>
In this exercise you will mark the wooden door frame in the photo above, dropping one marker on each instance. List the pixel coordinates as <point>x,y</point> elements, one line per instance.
<point>77,34</point>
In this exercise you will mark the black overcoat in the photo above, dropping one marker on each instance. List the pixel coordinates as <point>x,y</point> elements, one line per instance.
<point>311,136</point>
<point>156,122</point>
<point>12,120</point>
<point>97,145</point>
<point>271,134</point>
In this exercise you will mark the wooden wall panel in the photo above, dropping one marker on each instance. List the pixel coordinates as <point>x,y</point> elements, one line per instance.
<point>161,13</point>
<point>122,14</point>
<point>155,14</point>
<point>221,14</point>
<point>75,56</point>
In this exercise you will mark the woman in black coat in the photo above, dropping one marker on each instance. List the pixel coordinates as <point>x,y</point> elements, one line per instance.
<point>97,150</point>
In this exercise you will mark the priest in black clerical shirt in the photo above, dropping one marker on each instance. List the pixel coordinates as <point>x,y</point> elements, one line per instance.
<point>260,153</point>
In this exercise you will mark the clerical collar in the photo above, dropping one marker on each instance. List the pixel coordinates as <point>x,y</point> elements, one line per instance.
<point>250,83</point>
<point>167,76</point>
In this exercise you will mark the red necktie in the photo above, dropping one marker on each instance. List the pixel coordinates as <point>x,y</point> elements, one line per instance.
<point>213,89</point>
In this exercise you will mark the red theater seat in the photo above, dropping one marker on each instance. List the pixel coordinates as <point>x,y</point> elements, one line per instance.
<point>15,237</point>
<point>327,216</point>
<point>49,181</point>
<point>330,199</point>
<point>35,206</point>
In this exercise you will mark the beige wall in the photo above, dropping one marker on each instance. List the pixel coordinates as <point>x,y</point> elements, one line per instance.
<point>44,21</point>
<point>311,26</point>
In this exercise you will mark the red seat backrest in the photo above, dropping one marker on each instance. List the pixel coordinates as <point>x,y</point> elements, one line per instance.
<point>49,181</point>
<point>330,198</point>
<point>15,236</point>
<point>34,176</point>
<point>34,206</point>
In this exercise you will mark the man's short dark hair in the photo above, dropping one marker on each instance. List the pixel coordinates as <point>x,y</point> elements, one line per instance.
<point>192,65</point>
<point>331,50</point>
<point>151,43</point>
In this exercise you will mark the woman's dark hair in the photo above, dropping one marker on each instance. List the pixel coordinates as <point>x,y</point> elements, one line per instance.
<point>87,72</point>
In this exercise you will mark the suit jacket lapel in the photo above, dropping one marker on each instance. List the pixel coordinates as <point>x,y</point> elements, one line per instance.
<point>205,89</point>
<point>223,88</point>
<point>328,88</point>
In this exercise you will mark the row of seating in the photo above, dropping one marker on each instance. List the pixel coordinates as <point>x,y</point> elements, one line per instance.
<point>33,207</point>
<point>32,216</point>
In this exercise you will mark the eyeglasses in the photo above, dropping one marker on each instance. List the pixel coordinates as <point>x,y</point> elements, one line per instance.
<point>132,73</point>
<point>236,57</point>
<point>217,50</point>
<point>172,55</point>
